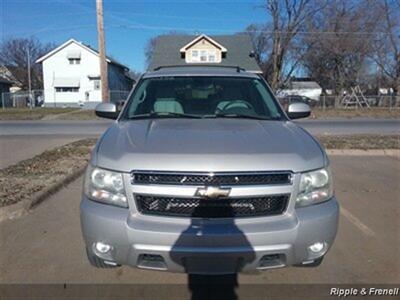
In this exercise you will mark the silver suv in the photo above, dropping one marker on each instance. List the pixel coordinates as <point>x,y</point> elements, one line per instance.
<point>203,172</point>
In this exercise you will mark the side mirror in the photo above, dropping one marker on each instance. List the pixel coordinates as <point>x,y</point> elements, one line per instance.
<point>106,110</point>
<point>298,110</point>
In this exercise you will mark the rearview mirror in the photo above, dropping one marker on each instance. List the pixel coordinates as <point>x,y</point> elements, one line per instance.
<point>106,110</point>
<point>298,110</point>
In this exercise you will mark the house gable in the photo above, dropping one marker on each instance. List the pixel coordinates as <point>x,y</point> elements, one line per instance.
<point>66,44</point>
<point>76,53</point>
<point>203,50</point>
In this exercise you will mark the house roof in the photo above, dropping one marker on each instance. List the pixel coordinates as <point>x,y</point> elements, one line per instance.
<point>87,47</point>
<point>167,51</point>
<point>5,81</point>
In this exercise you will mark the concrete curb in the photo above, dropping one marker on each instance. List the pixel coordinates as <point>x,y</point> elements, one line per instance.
<point>359,152</point>
<point>21,208</point>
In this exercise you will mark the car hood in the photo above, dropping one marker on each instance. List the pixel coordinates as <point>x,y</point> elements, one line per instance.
<point>207,145</point>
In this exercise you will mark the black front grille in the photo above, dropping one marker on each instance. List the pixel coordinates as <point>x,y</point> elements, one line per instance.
<point>215,208</point>
<point>212,179</point>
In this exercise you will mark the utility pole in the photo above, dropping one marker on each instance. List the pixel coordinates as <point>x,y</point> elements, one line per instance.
<point>102,51</point>
<point>29,78</point>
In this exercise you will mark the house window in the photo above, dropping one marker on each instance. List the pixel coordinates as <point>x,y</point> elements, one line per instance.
<point>67,89</point>
<point>203,56</point>
<point>211,56</point>
<point>74,61</point>
<point>195,56</point>
<point>96,85</point>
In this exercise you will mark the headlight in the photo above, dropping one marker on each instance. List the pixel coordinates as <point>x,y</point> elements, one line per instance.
<point>315,187</point>
<point>105,186</point>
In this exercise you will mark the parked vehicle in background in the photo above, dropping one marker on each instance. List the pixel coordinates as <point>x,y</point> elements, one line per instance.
<point>285,101</point>
<point>203,172</point>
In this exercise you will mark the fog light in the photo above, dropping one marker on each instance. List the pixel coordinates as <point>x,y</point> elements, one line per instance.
<point>317,247</point>
<point>102,248</point>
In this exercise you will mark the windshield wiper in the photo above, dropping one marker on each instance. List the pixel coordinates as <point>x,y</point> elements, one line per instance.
<point>238,116</point>
<point>159,115</point>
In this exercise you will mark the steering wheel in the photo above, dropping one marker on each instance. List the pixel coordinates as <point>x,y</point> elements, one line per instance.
<point>228,105</point>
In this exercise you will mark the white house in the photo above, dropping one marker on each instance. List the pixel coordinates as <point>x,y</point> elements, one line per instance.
<point>71,75</point>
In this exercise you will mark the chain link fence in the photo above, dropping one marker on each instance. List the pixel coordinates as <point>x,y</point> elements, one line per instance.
<point>340,102</point>
<point>36,98</point>
<point>22,99</point>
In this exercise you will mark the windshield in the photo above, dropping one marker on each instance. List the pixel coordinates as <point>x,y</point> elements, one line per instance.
<point>202,97</point>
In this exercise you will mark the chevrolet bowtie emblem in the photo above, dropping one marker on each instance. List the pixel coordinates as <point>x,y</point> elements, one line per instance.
<point>213,192</point>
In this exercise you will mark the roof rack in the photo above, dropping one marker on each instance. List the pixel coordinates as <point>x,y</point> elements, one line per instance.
<point>238,69</point>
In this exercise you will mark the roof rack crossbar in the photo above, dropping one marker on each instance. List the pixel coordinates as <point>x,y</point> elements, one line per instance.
<point>238,69</point>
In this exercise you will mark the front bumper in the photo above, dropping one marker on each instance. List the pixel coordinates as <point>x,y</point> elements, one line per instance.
<point>208,246</point>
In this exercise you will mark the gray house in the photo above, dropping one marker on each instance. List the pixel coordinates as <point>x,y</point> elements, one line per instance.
<point>224,50</point>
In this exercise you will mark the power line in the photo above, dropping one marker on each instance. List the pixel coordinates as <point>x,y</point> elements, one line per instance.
<point>137,25</point>
<point>34,16</point>
<point>185,29</point>
<point>48,28</point>
<point>178,17</point>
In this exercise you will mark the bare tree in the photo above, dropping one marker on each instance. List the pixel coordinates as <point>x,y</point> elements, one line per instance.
<point>287,19</point>
<point>261,42</point>
<point>14,56</point>
<point>149,50</point>
<point>339,41</point>
<point>387,45</point>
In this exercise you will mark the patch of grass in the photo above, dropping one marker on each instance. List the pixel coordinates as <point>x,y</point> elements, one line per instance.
<point>35,113</point>
<point>26,178</point>
<point>363,142</point>
<point>373,112</point>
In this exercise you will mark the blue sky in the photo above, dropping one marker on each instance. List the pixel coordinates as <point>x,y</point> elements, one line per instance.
<point>128,24</point>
